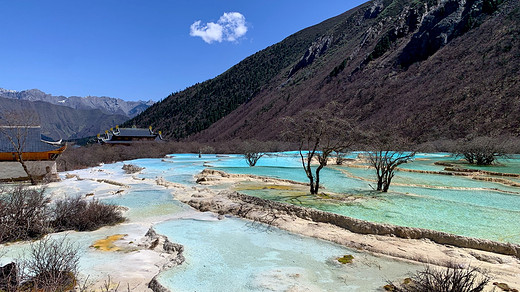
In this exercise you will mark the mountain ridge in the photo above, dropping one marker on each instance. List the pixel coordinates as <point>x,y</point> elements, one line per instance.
<point>426,69</point>
<point>62,122</point>
<point>106,104</point>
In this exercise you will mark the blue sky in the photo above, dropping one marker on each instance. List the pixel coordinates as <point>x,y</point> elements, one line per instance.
<point>140,49</point>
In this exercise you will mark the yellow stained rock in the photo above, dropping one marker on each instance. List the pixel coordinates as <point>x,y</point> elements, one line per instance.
<point>107,244</point>
<point>346,259</point>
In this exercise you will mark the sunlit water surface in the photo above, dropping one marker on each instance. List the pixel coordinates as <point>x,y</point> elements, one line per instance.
<point>234,255</point>
<point>454,204</point>
<point>221,255</point>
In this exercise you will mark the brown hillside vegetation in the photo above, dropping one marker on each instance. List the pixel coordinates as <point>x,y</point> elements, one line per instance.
<point>428,69</point>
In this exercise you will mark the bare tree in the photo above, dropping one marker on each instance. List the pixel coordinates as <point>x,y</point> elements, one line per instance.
<point>481,150</point>
<point>340,157</point>
<point>318,133</point>
<point>253,157</point>
<point>385,162</point>
<point>15,127</point>
<point>252,151</point>
<point>9,279</point>
<point>386,155</point>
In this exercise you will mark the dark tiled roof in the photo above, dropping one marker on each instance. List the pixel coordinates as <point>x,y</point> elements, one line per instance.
<point>134,132</point>
<point>30,139</point>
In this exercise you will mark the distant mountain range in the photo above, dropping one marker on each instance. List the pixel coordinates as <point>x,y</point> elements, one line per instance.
<point>106,104</point>
<point>72,117</point>
<point>428,69</point>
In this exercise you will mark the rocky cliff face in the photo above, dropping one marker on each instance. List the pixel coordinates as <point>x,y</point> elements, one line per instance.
<point>420,28</point>
<point>436,25</point>
<point>318,48</point>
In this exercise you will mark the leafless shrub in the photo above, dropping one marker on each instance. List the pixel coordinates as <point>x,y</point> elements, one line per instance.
<point>264,222</point>
<point>78,214</point>
<point>440,145</point>
<point>340,157</point>
<point>93,155</point>
<point>451,279</point>
<point>206,149</point>
<point>23,213</point>
<point>253,157</point>
<point>244,210</point>
<point>9,277</point>
<point>84,285</point>
<point>513,145</point>
<point>52,266</point>
<point>108,285</point>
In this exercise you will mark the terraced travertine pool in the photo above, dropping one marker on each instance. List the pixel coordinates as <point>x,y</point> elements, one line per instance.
<point>230,254</point>
<point>454,204</point>
<point>221,255</point>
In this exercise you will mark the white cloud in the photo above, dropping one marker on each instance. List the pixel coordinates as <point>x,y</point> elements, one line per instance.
<point>209,33</point>
<point>230,27</point>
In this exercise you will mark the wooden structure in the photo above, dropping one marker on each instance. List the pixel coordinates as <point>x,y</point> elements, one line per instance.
<point>29,140</point>
<point>39,155</point>
<point>127,136</point>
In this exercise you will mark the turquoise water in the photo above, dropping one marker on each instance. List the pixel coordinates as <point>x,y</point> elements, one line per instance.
<point>429,180</point>
<point>231,255</point>
<point>508,165</point>
<point>424,161</point>
<point>221,255</point>
<point>178,168</point>
<point>147,204</point>
<point>454,204</point>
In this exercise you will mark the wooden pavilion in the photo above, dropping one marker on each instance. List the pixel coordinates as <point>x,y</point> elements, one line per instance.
<point>128,136</point>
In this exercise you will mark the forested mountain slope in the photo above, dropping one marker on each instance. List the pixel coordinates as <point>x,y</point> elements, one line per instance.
<point>428,69</point>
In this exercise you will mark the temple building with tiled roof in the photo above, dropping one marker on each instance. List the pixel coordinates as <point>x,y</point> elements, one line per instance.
<point>129,135</point>
<point>29,140</point>
<point>39,155</point>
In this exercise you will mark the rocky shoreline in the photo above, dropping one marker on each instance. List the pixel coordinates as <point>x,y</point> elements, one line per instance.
<point>162,244</point>
<point>156,253</point>
<point>406,243</point>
